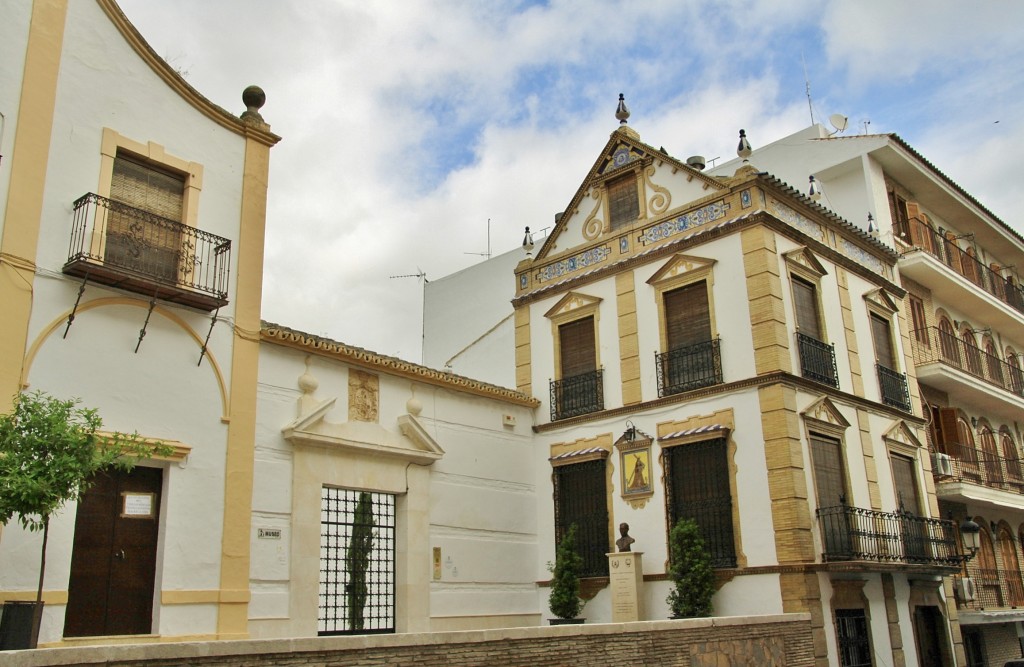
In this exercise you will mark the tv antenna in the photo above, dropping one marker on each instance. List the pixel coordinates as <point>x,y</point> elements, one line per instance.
<point>488,253</point>
<point>419,274</point>
<point>807,87</point>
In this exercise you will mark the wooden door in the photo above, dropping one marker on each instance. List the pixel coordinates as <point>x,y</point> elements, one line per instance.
<point>113,561</point>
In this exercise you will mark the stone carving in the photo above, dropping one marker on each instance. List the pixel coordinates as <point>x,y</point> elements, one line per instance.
<point>363,393</point>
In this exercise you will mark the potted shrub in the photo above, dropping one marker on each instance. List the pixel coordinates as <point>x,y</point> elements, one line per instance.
<point>564,600</point>
<point>691,572</point>
<point>49,451</point>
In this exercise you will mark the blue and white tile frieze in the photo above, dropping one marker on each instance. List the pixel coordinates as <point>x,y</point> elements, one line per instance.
<point>701,216</point>
<point>570,264</point>
<point>861,256</point>
<point>786,214</point>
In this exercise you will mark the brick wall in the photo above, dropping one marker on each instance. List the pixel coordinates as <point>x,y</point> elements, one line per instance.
<point>1001,644</point>
<point>780,641</point>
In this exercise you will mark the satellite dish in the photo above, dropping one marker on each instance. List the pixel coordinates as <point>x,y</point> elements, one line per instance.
<point>838,121</point>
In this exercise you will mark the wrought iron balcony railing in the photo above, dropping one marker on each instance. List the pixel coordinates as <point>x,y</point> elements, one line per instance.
<point>993,588</point>
<point>918,234</point>
<point>893,385</point>
<point>931,344</point>
<point>976,466</point>
<point>690,367</point>
<point>577,395</point>
<point>855,533</point>
<point>115,244</point>
<point>817,360</point>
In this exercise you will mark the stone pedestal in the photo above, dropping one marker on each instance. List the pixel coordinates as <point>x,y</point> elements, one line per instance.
<point>626,571</point>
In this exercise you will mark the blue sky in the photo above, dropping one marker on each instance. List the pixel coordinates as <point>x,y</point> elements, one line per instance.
<point>408,124</point>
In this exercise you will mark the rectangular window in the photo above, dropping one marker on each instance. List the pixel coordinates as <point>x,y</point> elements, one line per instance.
<point>904,476</point>
<point>829,478</point>
<point>623,201</point>
<point>805,303</point>
<point>693,359</point>
<point>697,487</point>
<point>149,246</point>
<point>579,389</point>
<point>881,334</point>
<point>853,638</point>
<point>581,498</point>
<point>576,346</point>
<point>357,562</point>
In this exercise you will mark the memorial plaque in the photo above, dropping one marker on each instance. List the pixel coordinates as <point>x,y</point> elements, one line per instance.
<point>625,570</point>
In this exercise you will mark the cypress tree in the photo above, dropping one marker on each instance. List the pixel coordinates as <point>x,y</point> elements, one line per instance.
<point>358,560</point>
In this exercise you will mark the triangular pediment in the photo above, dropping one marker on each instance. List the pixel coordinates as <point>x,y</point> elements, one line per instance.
<point>680,265</point>
<point>825,411</point>
<point>572,303</point>
<point>803,258</point>
<point>410,443</point>
<point>665,183</point>
<point>900,432</point>
<point>881,298</point>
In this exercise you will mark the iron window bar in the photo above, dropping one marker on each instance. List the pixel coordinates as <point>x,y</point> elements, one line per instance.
<point>817,360</point>
<point>577,395</point>
<point>893,386</point>
<point>855,533</point>
<point>690,367</point>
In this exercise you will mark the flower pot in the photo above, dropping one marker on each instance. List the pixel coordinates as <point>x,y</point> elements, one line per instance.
<point>19,625</point>
<point>566,621</point>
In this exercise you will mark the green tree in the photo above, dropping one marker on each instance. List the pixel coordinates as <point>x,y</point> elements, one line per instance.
<point>564,600</point>
<point>50,449</point>
<point>358,561</point>
<point>691,571</point>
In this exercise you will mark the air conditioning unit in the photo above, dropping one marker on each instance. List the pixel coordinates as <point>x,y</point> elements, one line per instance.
<point>965,589</point>
<point>942,465</point>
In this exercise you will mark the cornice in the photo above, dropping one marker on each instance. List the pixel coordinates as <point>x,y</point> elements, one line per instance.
<point>215,113</point>
<point>357,356</point>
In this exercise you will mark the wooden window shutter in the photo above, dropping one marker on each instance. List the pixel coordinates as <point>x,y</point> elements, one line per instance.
<point>623,201</point>
<point>827,457</point>
<point>141,186</point>
<point>920,320</point>
<point>687,316</point>
<point>805,302</point>
<point>577,347</point>
<point>905,482</point>
<point>947,430</point>
<point>881,333</point>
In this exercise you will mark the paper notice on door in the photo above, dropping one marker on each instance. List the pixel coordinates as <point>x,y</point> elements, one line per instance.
<point>137,505</point>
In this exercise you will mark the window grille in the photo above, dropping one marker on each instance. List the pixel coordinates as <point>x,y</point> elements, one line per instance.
<point>581,498</point>
<point>357,562</point>
<point>854,641</point>
<point>697,487</point>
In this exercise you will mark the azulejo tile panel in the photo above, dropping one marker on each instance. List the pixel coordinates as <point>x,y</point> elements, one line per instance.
<point>679,224</point>
<point>569,264</point>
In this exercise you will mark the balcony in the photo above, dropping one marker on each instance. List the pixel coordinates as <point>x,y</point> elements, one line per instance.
<point>994,588</point>
<point>977,468</point>
<point>946,362</point>
<point>893,387</point>
<point>688,368</point>
<point>121,246</point>
<point>577,395</point>
<point>817,360</point>
<point>857,534</point>
<point>981,293</point>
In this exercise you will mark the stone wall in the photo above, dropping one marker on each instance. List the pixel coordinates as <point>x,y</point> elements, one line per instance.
<point>780,641</point>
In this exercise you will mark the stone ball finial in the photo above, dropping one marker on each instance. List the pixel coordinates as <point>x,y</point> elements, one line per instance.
<point>307,383</point>
<point>254,98</point>
<point>413,406</point>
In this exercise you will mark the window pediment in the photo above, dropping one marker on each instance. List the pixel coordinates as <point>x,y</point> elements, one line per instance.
<point>825,413</point>
<point>899,432</point>
<point>882,301</point>
<point>572,306</point>
<point>681,268</point>
<point>805,263</point>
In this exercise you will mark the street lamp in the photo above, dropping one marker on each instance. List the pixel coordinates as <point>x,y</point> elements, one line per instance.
<point>970,533</point>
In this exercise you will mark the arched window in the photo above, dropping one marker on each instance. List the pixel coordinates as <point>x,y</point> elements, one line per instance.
<point>948,343</point>
<point>988,570</point>
<point>971,352</point>
<point>993,364</point>
<point>965,448</point>
<point>1016,376</point>
<point>1011,567</point>
<point>990,457</point>
<point>1011,459</point>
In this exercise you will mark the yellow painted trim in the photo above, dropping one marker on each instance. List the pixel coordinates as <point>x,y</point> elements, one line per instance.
<point>681,271</point>
<point>629,338</point>
<point>28,167</point>
<point>179,450</point>
<point>49,597</point>
<point>62,320</point>
<point>524,361</point>
<point>570,308</point>
<point>176,83</point>
<point>189,597</point>
<point>232,613</point>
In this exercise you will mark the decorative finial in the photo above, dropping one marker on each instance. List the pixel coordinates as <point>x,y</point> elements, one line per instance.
<point>814,190</point>
<point>871,225</point>
<point>744,150</point>
<point>622,112</point>
<point>528,243</point>
<point>254,98</point>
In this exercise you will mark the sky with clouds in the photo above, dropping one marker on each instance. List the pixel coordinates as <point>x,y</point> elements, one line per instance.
<point>407,125</point>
